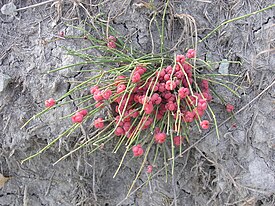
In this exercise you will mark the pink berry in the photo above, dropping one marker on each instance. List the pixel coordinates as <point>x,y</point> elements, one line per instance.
<point>180,59</point>
<point>178,140</point>
<point>229,107</point>
<point>84,112</point>
<point>121,88</point>
<point>148,108</point>
<point>140,70</point>
<point>99,123</point>
<point>133,113</point>
<point>170,85</point>
<point>162,73</point>
<point>50,102</point>
<point>188,116</point>
<point>136,77</point>
<point>205,85</point>
<point>111,45</point>
<point>166,77</point>
<point>158,101</point>
<point>137,150</point>
<point>98,95</point>
<point>198,112</point>
<point>171,106</point>
<point>149,169</point>
<point>183,92</point>
<point>127,126</point>
<point>119,131</point>
<point>204,124</point>
<point>157,130</point>
<point>107,94</point>
<point>191,53</point>
<point>93,89</point>
<point>169,69</point>
<point>202,104</point>
<point>160,138</point>
<point>77,118</point>
<point>112,39</point>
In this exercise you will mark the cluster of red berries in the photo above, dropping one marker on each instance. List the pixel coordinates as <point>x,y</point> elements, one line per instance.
<point>169,90</point>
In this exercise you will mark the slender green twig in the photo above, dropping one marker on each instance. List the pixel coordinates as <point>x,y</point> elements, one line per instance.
<point>235,19</point>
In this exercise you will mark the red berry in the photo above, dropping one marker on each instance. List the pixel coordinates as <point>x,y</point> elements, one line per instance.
<point>149,169</point>
<point>179,74</point>
<point>207,96</point>
<point>98,95</point>
<point>140,70</point>
<point>180,59</point>
<point>127,126</point>
<point>137,150</point>
<point>187,67</point>
<point>191,53</point>
<point>198,112</point>
<point>166,77</point>
<point>84,112</point>
<point>136,77</point>
<point>169,69</point>
<point>157,130</point>
<point>171,106</point>
<point>202,104</point>
<point>178,140</point>
<point>205,85</point>
<point>107,94</point>
<point>99,123</point>
<point>121,88</point>
<point>147,122</point>
<point>204,124</point>
<point>167,95</point>
<point>160,138</point>
<point>148,108</point>
<point>188,116</point>
<point>183,92</point>
<point>229,107</point>
<point>159,116</point>
<point>162,73</point>
<point>94,89</point>
<point>50,102</point>
<point>154,97</point>
<point>117,118</point>
<point>111,45</point>
<point>133,113</point>
<point>170,85</point>
<point>161,87</point>
<point>119,131</point>
<point>77,118</point>
<point>112,39</point>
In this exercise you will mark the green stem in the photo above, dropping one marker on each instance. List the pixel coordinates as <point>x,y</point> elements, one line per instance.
<point>236,19</point>
<point>162,27</point>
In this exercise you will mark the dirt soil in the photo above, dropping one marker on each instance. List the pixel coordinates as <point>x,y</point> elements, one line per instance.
<point>237,169</point>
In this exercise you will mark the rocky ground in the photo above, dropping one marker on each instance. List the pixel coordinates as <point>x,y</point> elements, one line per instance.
<point>237,169</point>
